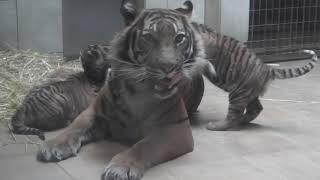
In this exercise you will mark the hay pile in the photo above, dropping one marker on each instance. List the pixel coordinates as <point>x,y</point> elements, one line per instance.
<point>20,71</point>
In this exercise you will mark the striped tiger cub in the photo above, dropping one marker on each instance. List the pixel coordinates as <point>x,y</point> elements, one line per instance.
<point>241,73</point>
<point>55,103</point>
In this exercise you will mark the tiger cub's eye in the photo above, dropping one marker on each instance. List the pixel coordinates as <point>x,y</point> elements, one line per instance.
<point>147,37</point>
<point>180,38</point>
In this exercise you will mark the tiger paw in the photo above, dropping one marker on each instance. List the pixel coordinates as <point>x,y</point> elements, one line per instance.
<point>220,125</point>
<point>115,171</point>
<point>53,152</point>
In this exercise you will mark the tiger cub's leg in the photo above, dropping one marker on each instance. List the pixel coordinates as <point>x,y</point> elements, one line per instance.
<point>82,130</point>
<point>253,109</point>
<point>234,118</point>
<point>238,102</point>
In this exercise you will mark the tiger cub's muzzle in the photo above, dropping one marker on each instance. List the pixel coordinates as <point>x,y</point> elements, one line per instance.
<point>170,81</point>
<point>167,86</point>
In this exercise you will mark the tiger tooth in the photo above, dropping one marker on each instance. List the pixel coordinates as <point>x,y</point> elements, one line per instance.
<point>157,87</point>
<point>90,53</point>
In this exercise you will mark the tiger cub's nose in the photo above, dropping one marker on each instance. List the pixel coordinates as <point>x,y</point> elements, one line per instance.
<point>167,67</point>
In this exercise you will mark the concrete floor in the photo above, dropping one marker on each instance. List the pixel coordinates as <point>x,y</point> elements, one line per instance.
<point>282,143</point>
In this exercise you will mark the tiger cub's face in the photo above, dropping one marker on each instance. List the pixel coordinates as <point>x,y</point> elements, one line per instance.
<point>160,42</point>
<point>94,63</point>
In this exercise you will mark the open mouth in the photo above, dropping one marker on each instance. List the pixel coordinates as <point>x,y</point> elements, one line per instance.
<point>168,86</point>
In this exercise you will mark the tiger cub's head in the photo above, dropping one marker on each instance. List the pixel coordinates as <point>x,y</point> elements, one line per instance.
<point>94,63</point>
<point>157,45</point>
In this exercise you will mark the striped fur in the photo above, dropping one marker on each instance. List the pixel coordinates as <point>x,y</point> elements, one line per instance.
<point>241,73</point>
<point>146,51</point>
<point>55,103</point>
<point>147,96</point>
<point>150,89</point>
<point>295,72</point>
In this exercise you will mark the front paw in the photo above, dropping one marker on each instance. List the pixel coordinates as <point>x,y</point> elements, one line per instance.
<point>219,125</point>
<point>125,171</point>
<point>53,152</point>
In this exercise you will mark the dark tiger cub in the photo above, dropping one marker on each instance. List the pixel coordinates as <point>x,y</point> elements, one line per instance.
<point>241,73</point>
<point>55,104</point>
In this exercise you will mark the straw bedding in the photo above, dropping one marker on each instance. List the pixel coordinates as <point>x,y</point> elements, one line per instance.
<point>20,71</point>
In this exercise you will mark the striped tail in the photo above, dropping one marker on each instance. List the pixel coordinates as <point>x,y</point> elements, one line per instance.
<point>20,128</point>
<point>277,73</point>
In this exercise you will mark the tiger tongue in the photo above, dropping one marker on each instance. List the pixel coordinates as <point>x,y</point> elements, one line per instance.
<point>169,83</point>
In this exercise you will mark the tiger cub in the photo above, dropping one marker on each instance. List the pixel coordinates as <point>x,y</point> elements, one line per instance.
<point>55,103</point>
<point>241,73</point>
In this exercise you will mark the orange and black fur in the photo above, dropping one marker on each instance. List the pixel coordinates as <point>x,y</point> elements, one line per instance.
<point>241,73</point>
<point>152,88</point>
<point>155,60</point>
<point>55,104</point>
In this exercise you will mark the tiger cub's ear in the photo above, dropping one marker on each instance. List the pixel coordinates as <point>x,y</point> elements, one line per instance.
<point>187,9</point>
<point>129,11</point>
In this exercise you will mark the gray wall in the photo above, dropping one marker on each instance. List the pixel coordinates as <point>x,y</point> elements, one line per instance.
<point>230,17</point>
<point>69,25</point>
<point>213,14</point>
<point>198,12</point>
<point>56,26</point>
<point>31,24</point>
<point>235,18</point>
<point>89,22</point>
<point>8,24</point>
<point>40,25</point>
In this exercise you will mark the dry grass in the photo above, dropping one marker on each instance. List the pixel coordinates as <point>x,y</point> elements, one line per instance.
<point>21,70</point>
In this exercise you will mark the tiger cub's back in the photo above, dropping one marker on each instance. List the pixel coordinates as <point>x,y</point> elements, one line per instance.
<point>60,98</point>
